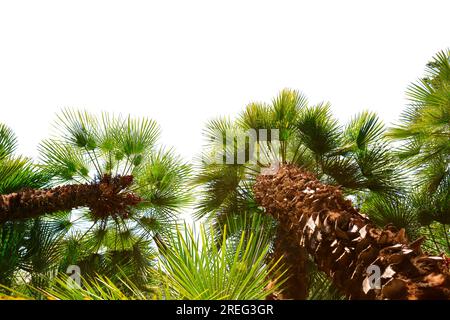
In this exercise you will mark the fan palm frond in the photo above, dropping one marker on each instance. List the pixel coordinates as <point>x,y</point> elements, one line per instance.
<point>193,267</point>
<point>318,130</point>
<point>8,141</point>
<point>364,129</point>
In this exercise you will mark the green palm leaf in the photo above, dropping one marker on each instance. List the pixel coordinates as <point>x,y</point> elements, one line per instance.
<point>193,267</point>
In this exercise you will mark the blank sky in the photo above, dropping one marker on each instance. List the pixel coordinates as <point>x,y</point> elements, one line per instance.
<point>184,62</point>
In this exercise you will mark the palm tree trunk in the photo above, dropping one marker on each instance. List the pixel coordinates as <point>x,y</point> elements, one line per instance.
<point>344,243</point>
<point>104,197</point>
<point>294,259</point>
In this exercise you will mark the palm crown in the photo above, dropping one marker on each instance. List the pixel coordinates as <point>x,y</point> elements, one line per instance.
<point>355,156</point>
<point>125,189</point>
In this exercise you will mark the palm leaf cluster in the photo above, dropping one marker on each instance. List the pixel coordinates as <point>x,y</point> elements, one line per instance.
<point>423,135</point>
<point>192,265</point>
<point>196,266</point>
<point>19,241</point>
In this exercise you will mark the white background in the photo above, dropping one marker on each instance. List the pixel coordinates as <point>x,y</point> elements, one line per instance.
<point>184,62</point>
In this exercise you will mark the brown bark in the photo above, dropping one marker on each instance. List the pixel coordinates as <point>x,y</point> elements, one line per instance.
<point>106,197</point>
<point>344,243</point>
<point>294,259</point>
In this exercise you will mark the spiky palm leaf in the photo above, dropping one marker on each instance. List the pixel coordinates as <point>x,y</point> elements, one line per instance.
<point>194,267</point>
<point>424,129</point>
<point>424,137</point>
<point>98,288</point>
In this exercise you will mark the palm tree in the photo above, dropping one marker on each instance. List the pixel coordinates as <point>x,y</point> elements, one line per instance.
<point>424,137</point>
<point>355,157</point>
<point>344,243</point>
<point>111,191</point>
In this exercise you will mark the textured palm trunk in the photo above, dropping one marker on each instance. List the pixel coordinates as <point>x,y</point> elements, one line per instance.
<point>294,259</point>
<point>104,197</point>
<point>346,245</point>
